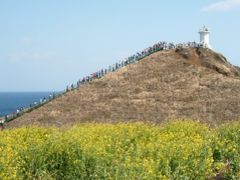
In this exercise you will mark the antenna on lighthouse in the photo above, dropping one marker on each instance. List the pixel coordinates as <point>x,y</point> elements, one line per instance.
<point>204,37</point>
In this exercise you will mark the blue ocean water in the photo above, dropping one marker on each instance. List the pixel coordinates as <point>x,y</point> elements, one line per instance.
<point>11,101</point>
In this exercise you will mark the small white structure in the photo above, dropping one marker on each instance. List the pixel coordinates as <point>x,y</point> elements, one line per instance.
<point>204,37</point>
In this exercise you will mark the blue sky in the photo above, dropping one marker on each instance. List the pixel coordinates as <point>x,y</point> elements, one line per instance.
<point>48,44</point>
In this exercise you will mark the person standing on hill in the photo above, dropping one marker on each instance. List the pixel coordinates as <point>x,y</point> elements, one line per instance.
<point>1,124</point>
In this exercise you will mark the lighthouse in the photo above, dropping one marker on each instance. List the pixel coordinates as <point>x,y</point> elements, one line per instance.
<point>204,37</point>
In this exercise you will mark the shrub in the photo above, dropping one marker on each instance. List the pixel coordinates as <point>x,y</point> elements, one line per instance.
<point>229,149</point>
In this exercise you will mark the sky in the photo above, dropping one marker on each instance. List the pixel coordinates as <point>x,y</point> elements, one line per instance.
<point>49,44</point>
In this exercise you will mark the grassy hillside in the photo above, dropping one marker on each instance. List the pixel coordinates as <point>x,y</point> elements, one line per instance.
<point>192,83</point>
<point>174,150</point>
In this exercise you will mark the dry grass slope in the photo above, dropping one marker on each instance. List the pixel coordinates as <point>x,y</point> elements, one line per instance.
<point>184,83</point>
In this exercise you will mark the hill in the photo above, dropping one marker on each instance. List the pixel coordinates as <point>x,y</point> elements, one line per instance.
<point>193,83</point>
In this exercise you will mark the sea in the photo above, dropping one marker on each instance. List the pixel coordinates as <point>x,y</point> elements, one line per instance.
<point>11,101</point>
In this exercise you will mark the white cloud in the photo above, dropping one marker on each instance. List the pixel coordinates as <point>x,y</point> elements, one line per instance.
<point>225,5</point>
<point>31,56</point>
<point>27,40</point>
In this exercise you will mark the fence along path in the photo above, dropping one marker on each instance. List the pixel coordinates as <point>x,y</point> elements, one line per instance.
<point>161,46</point>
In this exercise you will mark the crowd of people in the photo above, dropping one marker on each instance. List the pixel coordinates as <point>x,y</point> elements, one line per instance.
<point>132,59</point>
<point>96,75</point>
<point>20,111</point>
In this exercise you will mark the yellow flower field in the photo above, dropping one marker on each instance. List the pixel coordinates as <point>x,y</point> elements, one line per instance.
<point>174,150</point>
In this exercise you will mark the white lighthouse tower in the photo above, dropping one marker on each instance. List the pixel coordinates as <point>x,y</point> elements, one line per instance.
<point>204,37</point>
